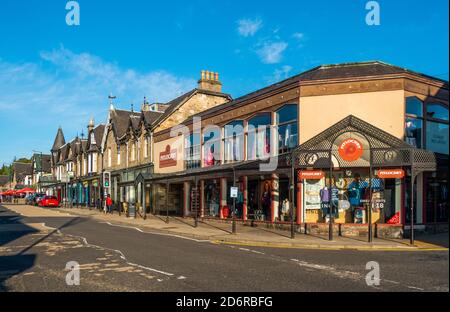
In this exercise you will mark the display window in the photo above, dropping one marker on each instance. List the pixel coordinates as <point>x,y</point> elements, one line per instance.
<point>212,198</point>
<point>239,199</point>
<point>437,198</point>
<point>348,196</point>
<point>259,200</point>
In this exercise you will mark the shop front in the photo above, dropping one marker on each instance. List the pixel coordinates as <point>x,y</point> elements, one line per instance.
<point>358,180</point>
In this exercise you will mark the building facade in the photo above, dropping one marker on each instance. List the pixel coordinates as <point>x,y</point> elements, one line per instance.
<point>358,144</point>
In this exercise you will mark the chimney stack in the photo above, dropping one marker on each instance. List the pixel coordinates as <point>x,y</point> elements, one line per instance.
<point>91,125</point>
<point>209,81</point>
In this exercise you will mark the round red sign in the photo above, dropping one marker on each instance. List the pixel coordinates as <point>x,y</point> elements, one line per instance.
<point>350,150</point>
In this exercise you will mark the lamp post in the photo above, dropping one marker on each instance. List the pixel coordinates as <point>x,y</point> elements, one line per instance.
<point>233,225</point>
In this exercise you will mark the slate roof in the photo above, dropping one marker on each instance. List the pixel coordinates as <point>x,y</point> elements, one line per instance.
<point>21,170</point>
<point>46,162</point>
<point>59,140</point>
<point>334,71</point>
<point>120,120</point>
<point>149,117</point>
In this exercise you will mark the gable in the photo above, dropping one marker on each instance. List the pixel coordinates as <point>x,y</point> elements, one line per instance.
<point>195,104</point>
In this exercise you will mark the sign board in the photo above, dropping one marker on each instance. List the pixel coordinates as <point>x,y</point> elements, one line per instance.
<point>168,158</point>
<point>311,175</point>
<point>391,173</point>
<point>234,192</point>
<point>65,178</point>
<point>350,150</point>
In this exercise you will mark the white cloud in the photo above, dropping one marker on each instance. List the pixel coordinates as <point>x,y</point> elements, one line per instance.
<point>298,35</point>
<point>65,88</point>
<point>249,27</point>
<point>271,52</point>
<point>280,74</point>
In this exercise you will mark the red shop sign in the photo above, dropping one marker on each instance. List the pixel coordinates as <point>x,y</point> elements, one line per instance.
<point>311,175</point>
<point>391,173</point>
<point>350,150</point>
<point>168,158</point>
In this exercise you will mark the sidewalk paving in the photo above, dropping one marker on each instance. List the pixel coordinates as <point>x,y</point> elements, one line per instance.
<point>220,233</point>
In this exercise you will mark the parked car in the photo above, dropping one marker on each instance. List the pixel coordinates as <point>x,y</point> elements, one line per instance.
<point>48,201</point>
<point>36,198</point>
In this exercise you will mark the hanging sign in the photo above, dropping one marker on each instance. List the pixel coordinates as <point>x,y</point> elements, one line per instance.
<point>391,173</point>
<point>350,150</point>
<point>311,175</point>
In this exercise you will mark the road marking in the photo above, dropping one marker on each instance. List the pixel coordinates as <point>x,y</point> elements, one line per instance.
<point>162,234</point>
<point>122,256</point>
<point>417,288</point>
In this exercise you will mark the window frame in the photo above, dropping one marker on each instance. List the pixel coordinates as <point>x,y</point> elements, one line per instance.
<point>233,137</point>
<point>247,133</point>
<point>285,123</point>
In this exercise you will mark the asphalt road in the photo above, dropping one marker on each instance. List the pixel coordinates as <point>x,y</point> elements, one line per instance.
<point>117,258</point>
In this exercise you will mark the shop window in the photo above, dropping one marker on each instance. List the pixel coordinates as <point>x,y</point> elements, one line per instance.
<point>192,151</point>
<point>350,196</point>
<point>212,198</point>
<point>211,147</point>
<point>287,128</point>
<point>258,137</point>
<point>234,141</point>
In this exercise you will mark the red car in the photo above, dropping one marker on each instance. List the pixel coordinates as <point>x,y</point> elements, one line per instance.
<point>48,201</point>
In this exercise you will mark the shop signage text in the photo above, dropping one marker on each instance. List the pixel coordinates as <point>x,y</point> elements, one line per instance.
<point>311,175</point>
<point>391,173</point>
<point>168,158</point>
<point>350,150</point>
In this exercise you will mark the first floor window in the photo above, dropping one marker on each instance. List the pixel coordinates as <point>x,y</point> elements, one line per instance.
<point>286,118</point>
<point>234,141</point>
<point>258,137</point>
<point>413,132</point>
<point>192,151</point>
<point>211,147</point>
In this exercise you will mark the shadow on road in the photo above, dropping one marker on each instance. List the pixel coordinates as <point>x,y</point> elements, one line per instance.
<point>13,227</point>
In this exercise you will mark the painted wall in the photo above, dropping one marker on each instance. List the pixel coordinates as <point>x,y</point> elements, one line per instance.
<point>384,109</point>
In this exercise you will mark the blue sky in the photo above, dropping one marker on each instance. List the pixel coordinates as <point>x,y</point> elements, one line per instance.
<point>53,74</point>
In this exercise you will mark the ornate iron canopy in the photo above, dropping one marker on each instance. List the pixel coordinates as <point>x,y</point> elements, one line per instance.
<point>377,149</point>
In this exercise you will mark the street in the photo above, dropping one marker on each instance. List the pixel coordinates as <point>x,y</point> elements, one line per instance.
<point>35,248</point>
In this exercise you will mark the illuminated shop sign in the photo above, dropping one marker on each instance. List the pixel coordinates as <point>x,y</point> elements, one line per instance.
<point>391,173</point>
<point>311,175</point>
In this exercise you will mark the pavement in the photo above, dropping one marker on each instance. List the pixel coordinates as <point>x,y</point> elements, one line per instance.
<point>220,233</point>
<point>120,255</point>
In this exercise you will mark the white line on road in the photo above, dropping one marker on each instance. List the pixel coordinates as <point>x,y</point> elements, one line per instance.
<point>122,256</point>
<point>155,233</point>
